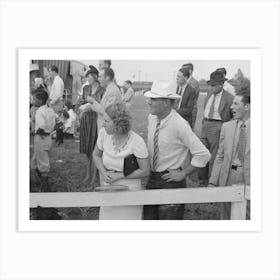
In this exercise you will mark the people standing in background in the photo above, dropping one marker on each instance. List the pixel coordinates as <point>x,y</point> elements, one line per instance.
<point>128,93</point>
<point>170,141</point>
<point>69,126</point>
<point>227,86</point>
<point>92,93</point>
<point>60,127</point>
<point>216,111</point>
<point>56,91</point>
<point>195,84</point>
<point>188,95</point>
<point>38,84</point>
<point>232,163</point>
<point>112,94</point>
<point>44,125</point>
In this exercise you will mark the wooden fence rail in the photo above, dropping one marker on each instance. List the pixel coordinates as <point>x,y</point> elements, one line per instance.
<point>237,195</point>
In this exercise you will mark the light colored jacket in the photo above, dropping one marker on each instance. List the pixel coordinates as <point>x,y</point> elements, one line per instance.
<point>227,149</point>
<point>111,95</point>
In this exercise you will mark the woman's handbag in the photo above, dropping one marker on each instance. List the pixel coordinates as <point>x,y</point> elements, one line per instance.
<point>130,164</point>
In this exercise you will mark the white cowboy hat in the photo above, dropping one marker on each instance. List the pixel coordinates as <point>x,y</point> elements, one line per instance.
<point>163,89</point>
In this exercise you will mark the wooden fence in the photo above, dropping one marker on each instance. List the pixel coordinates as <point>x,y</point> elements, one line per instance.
<point>237,195</point>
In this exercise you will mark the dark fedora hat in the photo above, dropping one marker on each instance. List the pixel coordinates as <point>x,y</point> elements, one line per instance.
<point>216,77</point>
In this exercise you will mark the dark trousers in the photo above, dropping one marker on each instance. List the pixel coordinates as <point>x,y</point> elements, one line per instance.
<point>59,136</point>
<point>210,136</point>
<point>165,211</point>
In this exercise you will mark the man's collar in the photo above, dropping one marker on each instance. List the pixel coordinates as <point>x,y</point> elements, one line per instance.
<point>247,122</point>
<point>165,120</point>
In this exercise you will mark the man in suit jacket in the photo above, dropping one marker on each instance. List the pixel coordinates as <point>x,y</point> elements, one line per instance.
<point>216,111</point>
<point>232,163</point>
<point>111,95</point>
<point>195,84</point>
<point>188,95</point>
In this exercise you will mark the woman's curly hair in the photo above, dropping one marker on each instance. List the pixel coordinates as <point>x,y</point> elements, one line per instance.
<point>121,117</point>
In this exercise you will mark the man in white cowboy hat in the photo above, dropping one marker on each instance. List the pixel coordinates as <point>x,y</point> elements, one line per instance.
<point>170,140</point>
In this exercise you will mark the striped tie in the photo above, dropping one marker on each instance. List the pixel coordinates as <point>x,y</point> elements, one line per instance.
<point>241,143</point>
<point>156,149</point>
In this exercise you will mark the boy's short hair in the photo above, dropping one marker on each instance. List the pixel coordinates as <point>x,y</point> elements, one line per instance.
<point>40,94</point>
<point>54,68</point>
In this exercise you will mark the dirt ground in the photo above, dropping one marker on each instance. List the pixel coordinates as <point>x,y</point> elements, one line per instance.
<point>68,169</point>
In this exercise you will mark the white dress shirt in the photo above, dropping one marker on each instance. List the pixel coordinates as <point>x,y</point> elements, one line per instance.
<point>57,89</point>
<point>176,139</point>
<point>45,119</point>
<point>216,115</point>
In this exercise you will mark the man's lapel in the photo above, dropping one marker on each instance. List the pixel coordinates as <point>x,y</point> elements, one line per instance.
<point>184,96</point>
<point>232,141</point>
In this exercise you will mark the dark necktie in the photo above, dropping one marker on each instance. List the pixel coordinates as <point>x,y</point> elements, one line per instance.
<point>211,111</point>
<point>156,148</point>
<point>241,146</point>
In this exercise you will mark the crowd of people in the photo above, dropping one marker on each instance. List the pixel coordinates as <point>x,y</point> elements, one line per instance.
<point>117,156</point>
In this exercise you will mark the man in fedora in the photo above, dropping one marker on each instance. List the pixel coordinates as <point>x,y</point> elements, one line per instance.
<point>227,86</point>
<point>170,141</point>
<point>216,112</point>
<point>232,163</point>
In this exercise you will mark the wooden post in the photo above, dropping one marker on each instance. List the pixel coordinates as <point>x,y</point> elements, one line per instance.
<point>238,208</point>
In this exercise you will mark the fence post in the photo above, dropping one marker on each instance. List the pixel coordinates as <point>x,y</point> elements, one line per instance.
<point>238,209</point>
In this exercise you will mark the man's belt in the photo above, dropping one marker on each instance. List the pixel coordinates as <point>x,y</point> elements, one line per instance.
<point>212,120</point>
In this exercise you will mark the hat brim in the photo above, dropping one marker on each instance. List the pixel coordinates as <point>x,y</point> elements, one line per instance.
<point>151,94</point>
<point>213,83</point>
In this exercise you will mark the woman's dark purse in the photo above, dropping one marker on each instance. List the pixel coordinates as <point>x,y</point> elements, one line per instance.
<point>130,164</point>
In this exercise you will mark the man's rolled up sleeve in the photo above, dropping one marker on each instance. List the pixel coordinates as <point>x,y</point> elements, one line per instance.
<point>200,154</point>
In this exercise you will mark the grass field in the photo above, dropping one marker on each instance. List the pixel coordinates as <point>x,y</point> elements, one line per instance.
<point>68,169</point>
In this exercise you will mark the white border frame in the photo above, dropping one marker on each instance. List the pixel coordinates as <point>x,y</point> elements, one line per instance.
<point>254,55</point>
